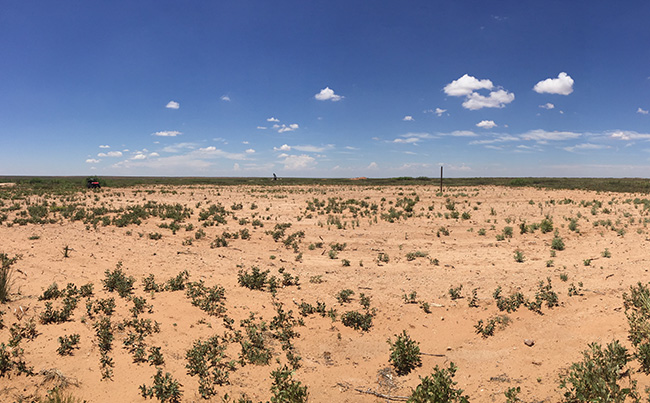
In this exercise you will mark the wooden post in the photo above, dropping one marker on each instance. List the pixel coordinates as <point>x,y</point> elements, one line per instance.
<point>441,179</point>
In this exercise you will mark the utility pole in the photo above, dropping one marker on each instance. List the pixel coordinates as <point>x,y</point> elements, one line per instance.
<point>440,178</point>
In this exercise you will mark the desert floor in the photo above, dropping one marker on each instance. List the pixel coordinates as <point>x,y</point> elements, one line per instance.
<point>428,252</point>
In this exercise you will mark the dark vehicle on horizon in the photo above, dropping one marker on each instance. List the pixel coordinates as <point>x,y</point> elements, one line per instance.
<point>92,182</point>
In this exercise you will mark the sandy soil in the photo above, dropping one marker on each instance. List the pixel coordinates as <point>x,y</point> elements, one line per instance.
<point>337,360</point>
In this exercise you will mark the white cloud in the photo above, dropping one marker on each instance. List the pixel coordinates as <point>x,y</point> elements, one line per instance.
<point>486,124</point>
<point>547,106</point>
<point>284,128</point>
<point>542,135</point>
<point>139,157</point>
<point>562,85</point>
<point>283,155</point>
<point>408,118</point>
<point>154,155</point>
<point>461,133</point>
<point>467,85</point>
<point>272,119</point>
<point>225,98</point>
<point>244,142</point>
<point>642,111</point>
<point>175,148</point>
<point>104,146</point>
<point>250,151</point>
<point>496,99</point>
<point>92,161</point>
<point>284,147</point>
<point>373,165</point>
<point>172,105</point>
<point>409,140</point>
<point>327,94</point>
<point>585,146</point>
<point>313,149</point>
<point>236,167</point>
<point>440,111</point>
<point>261,127</point>
<point>628,135</point>
<point>499,139</point>
<point>298,162</point>
<point>110,154</point>
<point>167,133</point>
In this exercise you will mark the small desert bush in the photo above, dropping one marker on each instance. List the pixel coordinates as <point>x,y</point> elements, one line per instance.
<point>404,354</point>
<point>597,377</point>
<point>439,387</point>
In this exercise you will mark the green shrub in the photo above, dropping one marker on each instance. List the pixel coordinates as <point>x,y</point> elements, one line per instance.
<point>439,387</point>
<point>165,388</point>
<point>343,296</point>
<point>116,280</point>
<point>596,378</point>
<point>357,321</point>
<point>208,361</point>
<point>67,344</point>
<point>404,354</point>
<point>285,389</point>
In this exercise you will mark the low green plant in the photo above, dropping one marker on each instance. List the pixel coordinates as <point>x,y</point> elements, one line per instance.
<point>210,300</point>
<point>357,320</point>
<point>496,322</point>
<point>597,378</point>
<point>177,283</point>
<point>343,296</point>
<point>117,280</point>
<point>519,256</point>
<point>165,388</point>
<point>208,360</point>
<point>454,292</point>
<point>439,387</point>
<point>285,389</point>
<point>404,353</point>
<point>67,344</point>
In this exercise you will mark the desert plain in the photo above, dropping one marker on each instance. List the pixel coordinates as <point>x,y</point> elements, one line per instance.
<point>417,260</point>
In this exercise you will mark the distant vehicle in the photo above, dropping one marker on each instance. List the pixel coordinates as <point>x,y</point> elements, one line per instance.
<point>92,182</point>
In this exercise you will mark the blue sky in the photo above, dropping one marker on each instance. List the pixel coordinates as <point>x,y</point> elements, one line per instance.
<point>325,88</point>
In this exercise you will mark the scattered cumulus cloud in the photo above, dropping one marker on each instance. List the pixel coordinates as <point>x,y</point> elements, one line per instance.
<point>139,157</point>
<point>250,151</point>
<point>110,154</point>
<point>167,133</point>
<point>225,98</point>
<point>104,146</point>
<point>409,140</point>
<point>298,162</point>
<point>440,111</point>
<point>562,85</point>
<point>628,135</point>
<point>154,155</point>
<point>373,165</point>
<point>547,106</point>
<point>327,94</point>
<point>272,119</point>
<point>178,147</point>
<point>642,111</point>
<point>283,147</point>
<point>408,118</point>
<point>261,127</point>
<point>486,124</point>
<point>496,99</point>
<point>172,105</point>
<point>467,86</point>
<point>92,161</point>
<point>284,128</point>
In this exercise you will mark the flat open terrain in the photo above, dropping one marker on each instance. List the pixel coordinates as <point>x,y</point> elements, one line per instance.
<point>401,246</point>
